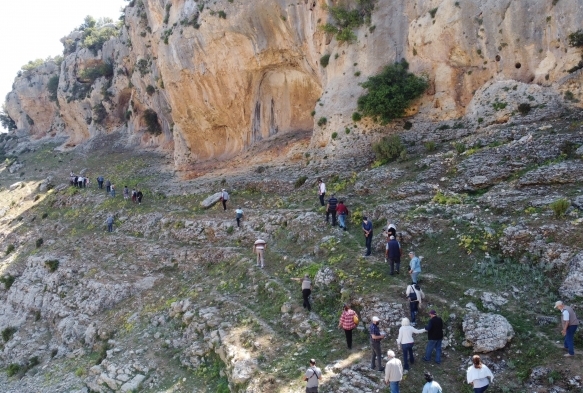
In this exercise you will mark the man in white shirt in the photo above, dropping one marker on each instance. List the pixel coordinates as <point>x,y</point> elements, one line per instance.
<point>321,191</point>
<point>393,372</point>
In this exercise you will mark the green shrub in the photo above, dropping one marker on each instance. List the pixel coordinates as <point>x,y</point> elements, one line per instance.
<point>389,148</point>
<point>559,207</point>
<point>322,121</point>
<point>95,33</point>
<point>432,12</point>
<point>29,120</point>
<point>408,125</point>
<point>429,146</point>
<point>52,87</point>
<point>324,60</point>
<point>222,14</point>
<point>345,20</point>
<point>92,73</point>
<point>459,147</point>
<point>143,67</point>
<point>7,122</point>
<point>80,372</point>
<point>99,113</point>
<point>443,199</point>
<point>356,116</point>
<point>480,120</point>
<point>569,95</point>
<point>150,90</point>
<point>347,130</point>
<point>301,181</point>
<point>39,242</point>
<point>52,265</point>
<point>524,108</point>
<point>7,333</point>
<point>357,73</point>
<point>167,16</point>
<point>9,249</point>
<point>230,230</point>
<point>499,105</point>
<point>313,113</point>
<point>576,38</point>
<point>150,118</point>
<point>12,369</point>
<point>7,280</point>
<point>334,135</point>
<point>32,64</point>
<point>391,92</point>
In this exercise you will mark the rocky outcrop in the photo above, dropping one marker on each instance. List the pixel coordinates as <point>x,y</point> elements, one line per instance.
<point>573,285</point>
<point>486,332</point>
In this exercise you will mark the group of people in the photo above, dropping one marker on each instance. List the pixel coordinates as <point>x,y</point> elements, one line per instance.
<point>78,181</point>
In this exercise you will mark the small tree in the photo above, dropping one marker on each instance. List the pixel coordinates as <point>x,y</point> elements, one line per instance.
<point>7,121</point>
<point>52,87</point>
<point>151,119</point>
<point>389,148</point>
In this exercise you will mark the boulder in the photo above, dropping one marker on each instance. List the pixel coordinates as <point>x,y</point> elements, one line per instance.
<point>486,332</point>
<point>573,285</point>
<point>134,384</point>
<point>211,200</point>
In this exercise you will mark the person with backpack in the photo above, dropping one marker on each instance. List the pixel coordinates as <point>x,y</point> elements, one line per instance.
<point>331,209</point>
<point>415,296</point>
<point>393,254</point>
<point>239,216</point>
<point>224,198</point>
<point>342,212</point>
<point>100,182</point>
<point>139,196</point>
<point>312,377</point>
<point>348,322</point>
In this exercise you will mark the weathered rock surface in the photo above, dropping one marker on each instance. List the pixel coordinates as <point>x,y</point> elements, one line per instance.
<point>486,332</point>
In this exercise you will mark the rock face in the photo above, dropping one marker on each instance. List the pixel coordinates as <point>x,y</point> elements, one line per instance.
<point>573,284</point>
<point>486,332</point>
<point>218,78</point>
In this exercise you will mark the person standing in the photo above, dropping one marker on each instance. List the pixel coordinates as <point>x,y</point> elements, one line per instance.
<point>569,324</point>
<point>342,212</point>
<point>112,188</point>
<point>431,386</point>
<point>312,376</point>
<point>405,339</point>
<point>107,186</point>
<point>259,248</point>
<point>393,254</point>
<point>434,337</point>
<point>100,182</point>
<point>367,229</point>
<point>109,222</point>
<point>391,229</point>
<point>224,198</point>
<point>479,375</point>
<point>393,372</point>
<point>307,291</point>
<point>375,340</point>
<point>414,267</point>
<point>347,323</point>
<point>239,216</point>
<point>321,190</point>
<point>415,296</point>
<point>331,209</point>
<point>126,193</point>
<point>139,196</point>
<point>134,196</point>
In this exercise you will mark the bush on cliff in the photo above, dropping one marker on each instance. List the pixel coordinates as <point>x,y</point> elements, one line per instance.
<point>391,92</point>
<point>7,121</point>
<point>52,87</point>
<point>150,118</point>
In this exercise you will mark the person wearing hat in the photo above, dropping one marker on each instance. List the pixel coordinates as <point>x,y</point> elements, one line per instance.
<point>347,323</point>
<point>375,340</point>
<point>224,198</point>
<point>414,267</point>
<point>393,372</point>
<point>312,376</point>
<point>569,324</point>
<point>367,229</point>
<point>434,337</point>
<point>331,209</point>
<point>431,386</point>
<point>393,254</point>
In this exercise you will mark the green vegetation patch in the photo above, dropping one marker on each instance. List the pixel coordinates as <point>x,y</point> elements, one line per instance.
<point>345,20</point>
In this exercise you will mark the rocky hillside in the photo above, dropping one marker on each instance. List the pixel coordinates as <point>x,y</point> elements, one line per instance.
<point>172,301</point>
<point>209,80</point>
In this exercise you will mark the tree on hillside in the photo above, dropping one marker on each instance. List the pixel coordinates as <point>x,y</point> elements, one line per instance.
<point>7,121</point>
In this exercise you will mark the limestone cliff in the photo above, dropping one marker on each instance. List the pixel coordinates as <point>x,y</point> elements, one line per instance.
<point>209,80</point>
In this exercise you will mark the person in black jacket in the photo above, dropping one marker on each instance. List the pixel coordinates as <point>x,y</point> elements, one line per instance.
<point>434,337</point>
<point>331,209</point>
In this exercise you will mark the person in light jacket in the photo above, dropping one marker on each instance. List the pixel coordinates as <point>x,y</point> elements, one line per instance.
<point>405,340</point>
<point>479,375</point>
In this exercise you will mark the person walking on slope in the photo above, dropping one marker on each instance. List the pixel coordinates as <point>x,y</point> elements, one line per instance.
<point>224,198</point>
<point>126,193</point>
<point>139,197</point>
<point>307,291</point>
<point>100,182</point>
<point>259,248</point>
<point>134,196</point>
<point>312,377</point>
<point>107,186</point>
<point>431,386</point>
<point>375,340</point>
<point>405,339</point>
<point>109,223</point>
<point>569,324</point>
<point>434,337</point>
<point>342,212</point>
<point>367,229</point>
<point>347,323</point>
<point>239,216</point>
<point>331,209</point>
<point>414,267</point>
<point>321,190</point>
<point>479,375</point>
<point>112,188</point>
<point>415,296</point>
<point>393,372</point>
<point>393,254</point>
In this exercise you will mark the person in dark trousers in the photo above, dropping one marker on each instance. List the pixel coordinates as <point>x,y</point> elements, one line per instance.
<point>108,186</point>
<point>569,324</point>
<point>100,182</point>
<point>342,212</point>
<point>367,229</point>
<point>321,190</point>
<point>415,296</point>
<point>239,216</point>
<point>331,209</point>
<point>347,323</point>
<point>109,222</point>
<point>139,196</point>
<point>393,254</point>
<point>307,291</point>
<point>375,342</point>
<point>134,196</point>
<point>224,198</point>
<point>312,377</point>
<point>434,337</point>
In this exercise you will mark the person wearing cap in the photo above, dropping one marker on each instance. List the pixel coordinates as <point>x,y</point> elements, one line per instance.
<point>312,376</point>
<point>414,267</point>
<point>415,296</point>
<point>405,339</point>
<point>367,229</point>
<point>393,372</point>
<point>321,190</point>
<point>331,209</point>
<point>434,337</point>
<point>259,248</point>
<point>347,323</point>
<point>431,386</point>
<point>479,375</point>
<point>307,291</point>
<point>569,324</point>
<point>375,341</point>
<point>224,198</point>
<point>393,254</point>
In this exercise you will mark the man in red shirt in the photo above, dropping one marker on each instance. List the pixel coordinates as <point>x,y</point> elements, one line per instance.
<point>342,212</point>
